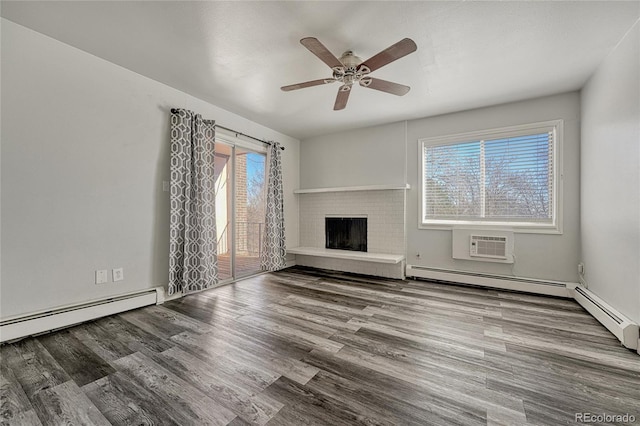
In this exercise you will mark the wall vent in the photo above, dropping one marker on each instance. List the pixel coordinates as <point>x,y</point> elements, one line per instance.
<point>488,246</point>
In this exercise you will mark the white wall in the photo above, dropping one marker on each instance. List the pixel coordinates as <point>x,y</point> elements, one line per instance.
<point>386,155</point>
<point>610,178</point>
<point>368,156</point>
<point>1,25</point>
<point>85,148</point>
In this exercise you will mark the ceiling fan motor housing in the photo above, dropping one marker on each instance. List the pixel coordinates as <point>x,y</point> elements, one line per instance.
<point>351,71</point>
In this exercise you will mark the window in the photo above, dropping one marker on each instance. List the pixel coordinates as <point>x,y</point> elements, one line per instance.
<point>503,177</point>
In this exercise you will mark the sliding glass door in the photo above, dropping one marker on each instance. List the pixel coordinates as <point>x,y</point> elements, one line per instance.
<point>249,210</point>
<point>223,169</point>
<point>240,209</point>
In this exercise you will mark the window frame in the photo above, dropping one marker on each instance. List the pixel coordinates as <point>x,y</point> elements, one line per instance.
<point>555,227</point>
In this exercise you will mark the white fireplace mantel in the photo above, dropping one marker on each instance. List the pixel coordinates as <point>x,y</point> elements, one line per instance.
<point>353,188</point>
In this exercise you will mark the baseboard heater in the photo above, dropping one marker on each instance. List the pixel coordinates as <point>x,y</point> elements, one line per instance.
<point>31,324</point>
<point>549,288</point>
<point>623,328</point>
<point>620,326</point>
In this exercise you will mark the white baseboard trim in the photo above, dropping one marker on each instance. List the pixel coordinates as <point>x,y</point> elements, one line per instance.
<point>549,288</point>
<point>620,326</point>
<point>21,326</point>
<point>174,296</point>
<point>290,263</point>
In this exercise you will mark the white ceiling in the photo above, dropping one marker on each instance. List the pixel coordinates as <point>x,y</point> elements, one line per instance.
<point>237,54</point>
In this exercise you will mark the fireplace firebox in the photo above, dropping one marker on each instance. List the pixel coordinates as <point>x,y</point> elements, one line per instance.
<point>346,233</point>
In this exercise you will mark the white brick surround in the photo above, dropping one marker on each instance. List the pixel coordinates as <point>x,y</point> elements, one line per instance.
<point>385,212</point>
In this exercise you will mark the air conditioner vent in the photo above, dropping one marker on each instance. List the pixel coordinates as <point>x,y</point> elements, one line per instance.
<point>488,246</point>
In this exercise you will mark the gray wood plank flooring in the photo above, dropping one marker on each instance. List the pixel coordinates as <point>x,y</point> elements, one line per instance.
<point>306,346</point>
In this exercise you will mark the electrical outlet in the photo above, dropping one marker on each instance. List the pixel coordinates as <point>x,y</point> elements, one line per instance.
<point>581,268</point>
<point>118,274</point>
<point>101,276</point>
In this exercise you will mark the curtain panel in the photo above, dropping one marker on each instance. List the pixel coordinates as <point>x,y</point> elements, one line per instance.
<point>274,251</point>
<point>193,262</point>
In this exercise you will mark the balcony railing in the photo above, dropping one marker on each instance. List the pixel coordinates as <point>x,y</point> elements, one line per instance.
<point>223,243</point>
<point>249,236</point>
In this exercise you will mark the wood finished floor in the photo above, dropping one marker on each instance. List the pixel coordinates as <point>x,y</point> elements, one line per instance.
<point>304,346</point>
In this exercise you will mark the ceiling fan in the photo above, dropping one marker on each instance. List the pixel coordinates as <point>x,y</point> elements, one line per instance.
<point>350,69</point>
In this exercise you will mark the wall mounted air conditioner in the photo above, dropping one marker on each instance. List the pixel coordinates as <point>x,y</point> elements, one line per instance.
<point>488,246</point>
<point>484,245</point>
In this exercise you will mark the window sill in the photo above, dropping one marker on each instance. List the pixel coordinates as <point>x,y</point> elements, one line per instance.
<point>516,228</point>
<point>353,188</point>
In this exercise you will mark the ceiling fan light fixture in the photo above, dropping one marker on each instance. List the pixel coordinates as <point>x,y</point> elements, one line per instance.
<point>350,60</point>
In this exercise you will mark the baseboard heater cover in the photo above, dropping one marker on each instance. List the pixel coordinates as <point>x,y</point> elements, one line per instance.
<point>620,326</point>
<point>549,288</point>
<point>31,324</point>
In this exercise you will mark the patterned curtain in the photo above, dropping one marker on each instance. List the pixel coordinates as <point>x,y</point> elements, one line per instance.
<point>193,261</point>
<point>274,249</point>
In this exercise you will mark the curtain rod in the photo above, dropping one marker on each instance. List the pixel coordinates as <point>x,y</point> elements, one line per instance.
<point>174,110</point>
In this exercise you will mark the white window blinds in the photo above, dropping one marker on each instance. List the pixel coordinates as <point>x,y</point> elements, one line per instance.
<point>505,178</point>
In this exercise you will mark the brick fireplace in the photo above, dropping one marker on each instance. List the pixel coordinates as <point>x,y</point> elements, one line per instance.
<point>384,211</point>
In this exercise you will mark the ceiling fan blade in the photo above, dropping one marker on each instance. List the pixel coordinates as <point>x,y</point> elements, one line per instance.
<point>343,97</point>
<point>388,55</point>
<point>308,84</point>
<point>384,86</point>
<point>318,49</point>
